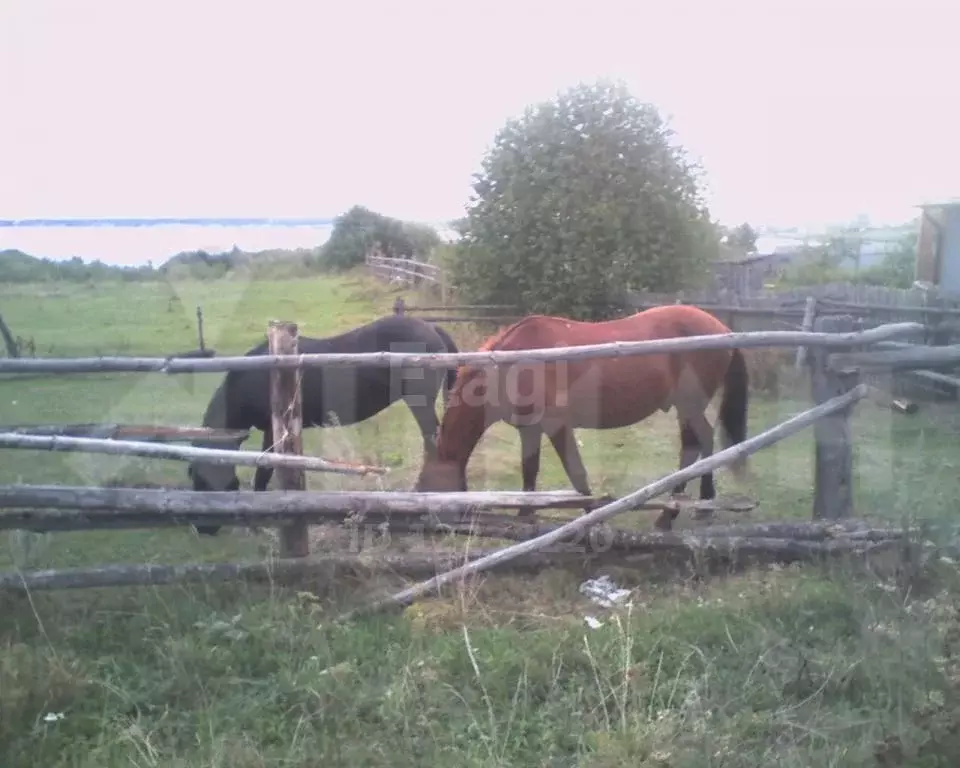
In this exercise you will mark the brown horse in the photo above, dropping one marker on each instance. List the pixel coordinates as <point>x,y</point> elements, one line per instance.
<point>554,398</point>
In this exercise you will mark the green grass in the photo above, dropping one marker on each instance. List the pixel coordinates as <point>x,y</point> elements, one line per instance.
<point>812,666</point>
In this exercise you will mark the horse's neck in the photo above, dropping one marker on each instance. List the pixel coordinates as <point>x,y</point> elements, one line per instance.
<point>216,414</point>
<point>461,430</point>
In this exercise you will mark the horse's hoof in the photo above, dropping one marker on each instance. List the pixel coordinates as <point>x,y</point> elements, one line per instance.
<point>664,521</point>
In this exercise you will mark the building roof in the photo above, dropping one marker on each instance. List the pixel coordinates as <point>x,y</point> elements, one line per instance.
<point>951,203</point>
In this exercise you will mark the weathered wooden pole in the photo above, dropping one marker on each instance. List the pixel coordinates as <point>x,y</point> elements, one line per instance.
<point>235,457</point>
<point>833,471</point>
<point>809,315</point>
<point>286,411</point>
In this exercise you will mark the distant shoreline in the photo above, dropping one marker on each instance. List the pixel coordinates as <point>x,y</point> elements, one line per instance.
<point>161,222</point>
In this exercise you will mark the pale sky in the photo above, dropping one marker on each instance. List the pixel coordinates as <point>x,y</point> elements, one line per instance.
<point>799,111</point>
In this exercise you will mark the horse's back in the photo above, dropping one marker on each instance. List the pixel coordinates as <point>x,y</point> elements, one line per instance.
<point>354,393</point>
<point>613,391</point>
<point>666,321</point>
<point>380,335</point>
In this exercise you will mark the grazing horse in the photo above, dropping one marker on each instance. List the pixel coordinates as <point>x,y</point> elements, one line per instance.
<point>554,398</point>
<point>348,394</point>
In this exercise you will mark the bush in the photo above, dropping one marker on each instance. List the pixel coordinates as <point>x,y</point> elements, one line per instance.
<point>359,230</point>
<point>897,270</point>
<point>19,267</point>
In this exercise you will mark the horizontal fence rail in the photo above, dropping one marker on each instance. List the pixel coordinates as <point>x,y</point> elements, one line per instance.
<point>389,260</point>
<point>900,359</point>
<point>326,567</point>
<point>933,376</point>
<point>53,507</point>
<point>456,359</point>
<point>152,433</point>
<point>824,308</point>
<point>395,266</point>
<point>408,517</point>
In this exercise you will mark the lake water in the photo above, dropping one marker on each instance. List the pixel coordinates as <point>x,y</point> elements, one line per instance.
<point>133,244</point>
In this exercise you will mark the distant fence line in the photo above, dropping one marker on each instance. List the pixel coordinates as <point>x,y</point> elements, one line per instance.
<point>390,267</point>
<point>860,294</point>
<point>424,313</point>
<point>751,311</point>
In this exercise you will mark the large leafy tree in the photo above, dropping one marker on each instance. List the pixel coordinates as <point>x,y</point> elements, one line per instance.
<point>582,197</point>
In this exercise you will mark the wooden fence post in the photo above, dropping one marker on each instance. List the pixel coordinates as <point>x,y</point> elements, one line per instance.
<point>13,350</point>
<point>809,315</point>
<point>833,472</point>
<point>200,328</point>
<point>287,417</point>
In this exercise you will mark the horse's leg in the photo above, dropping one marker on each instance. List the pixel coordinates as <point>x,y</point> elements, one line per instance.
<point>689,447</point>
<point>426,416</point>
<point>696,440</point>
<point>565,444</point>
<point>704,431</point>
<point>689,453</point>
<point>530,437</point>
<point>261,478</point>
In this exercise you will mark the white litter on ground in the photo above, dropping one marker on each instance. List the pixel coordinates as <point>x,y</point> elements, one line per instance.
<point>593,622</point>
<point>603,592</point>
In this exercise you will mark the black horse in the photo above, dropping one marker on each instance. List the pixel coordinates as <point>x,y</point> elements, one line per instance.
<point>335,395</point>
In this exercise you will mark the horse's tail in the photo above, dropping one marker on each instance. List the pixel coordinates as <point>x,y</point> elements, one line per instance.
<point>451,376</point>
<point>733,406</point>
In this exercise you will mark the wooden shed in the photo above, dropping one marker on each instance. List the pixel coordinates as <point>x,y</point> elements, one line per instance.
<point>938,247</point>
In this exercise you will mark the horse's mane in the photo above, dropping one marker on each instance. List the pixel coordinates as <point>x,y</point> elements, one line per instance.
<point>216,413</point>
<point>467,372</point>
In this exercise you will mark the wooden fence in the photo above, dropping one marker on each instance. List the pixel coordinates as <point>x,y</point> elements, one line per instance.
<point>835,354</point>
<point>940,322</point>
<point>478,314</point>
<point>401,269</point>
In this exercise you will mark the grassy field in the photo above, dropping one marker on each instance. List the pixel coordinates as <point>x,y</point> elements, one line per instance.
<point>789,666</point>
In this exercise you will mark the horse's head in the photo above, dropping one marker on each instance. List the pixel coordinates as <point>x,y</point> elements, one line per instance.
<point>212,477</point>
<point>438,475</point>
